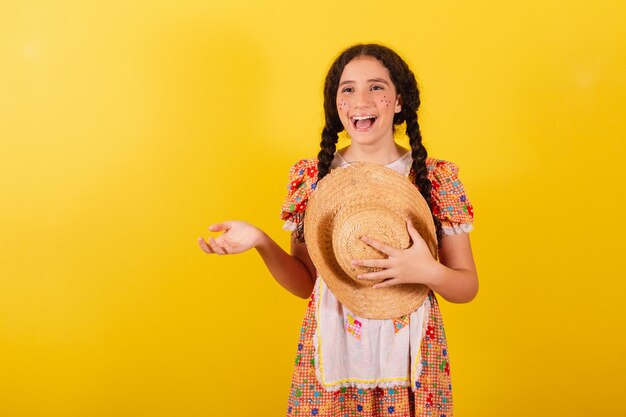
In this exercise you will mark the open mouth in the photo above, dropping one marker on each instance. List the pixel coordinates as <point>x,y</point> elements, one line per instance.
<point>363,122</point>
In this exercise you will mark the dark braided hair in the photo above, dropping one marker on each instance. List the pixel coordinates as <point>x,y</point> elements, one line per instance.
<point>406,86</point>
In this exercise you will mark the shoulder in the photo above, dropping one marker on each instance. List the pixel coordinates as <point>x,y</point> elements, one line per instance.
<point>450,202</point>
<point>441,168</point>
<point>442,172</point>
<point>303,174</point>
<point>304,168</point>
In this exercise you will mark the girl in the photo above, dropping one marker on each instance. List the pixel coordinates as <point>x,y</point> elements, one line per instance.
<point>367,91</point>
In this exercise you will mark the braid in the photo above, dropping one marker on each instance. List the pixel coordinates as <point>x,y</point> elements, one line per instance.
<point>327,151</point>
<point>419,155</point>
<point>324,158</point>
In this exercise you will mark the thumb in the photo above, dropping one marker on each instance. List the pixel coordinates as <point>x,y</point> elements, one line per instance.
<point>415,236</point>
<point>220,226</point>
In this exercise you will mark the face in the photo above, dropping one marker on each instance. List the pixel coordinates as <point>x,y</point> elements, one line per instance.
<point>367,101</point>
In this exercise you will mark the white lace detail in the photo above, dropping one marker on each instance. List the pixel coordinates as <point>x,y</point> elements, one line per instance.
<point>362,385</point>
<point>457,228</point>
<point>289,226</point>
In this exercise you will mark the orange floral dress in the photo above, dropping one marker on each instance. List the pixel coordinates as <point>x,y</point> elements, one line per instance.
<point>431,394</point>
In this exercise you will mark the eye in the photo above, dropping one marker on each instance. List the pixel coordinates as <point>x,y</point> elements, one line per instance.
<point>377,87</point>
<point>347,90</point>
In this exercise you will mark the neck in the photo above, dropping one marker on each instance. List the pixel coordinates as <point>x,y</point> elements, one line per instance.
<point>376,153</point>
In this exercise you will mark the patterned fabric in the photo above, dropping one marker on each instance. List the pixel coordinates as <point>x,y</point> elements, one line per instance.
<point>400,322</point>
<point>430,397</point>
<point>353,326</point>
<point>431,393</point>
<point>302,182</point>
<point>449,202</point>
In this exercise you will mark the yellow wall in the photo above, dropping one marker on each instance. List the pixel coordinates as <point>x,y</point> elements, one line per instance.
<point>126,129</point>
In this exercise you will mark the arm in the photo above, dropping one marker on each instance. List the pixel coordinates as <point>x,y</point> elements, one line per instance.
<point>454,277</point>
<point>294,272</point>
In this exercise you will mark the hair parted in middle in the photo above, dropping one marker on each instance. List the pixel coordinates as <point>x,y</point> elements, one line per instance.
<point>406,87</point>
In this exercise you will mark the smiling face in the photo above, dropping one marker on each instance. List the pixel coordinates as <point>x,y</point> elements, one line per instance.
<point>367,101</point>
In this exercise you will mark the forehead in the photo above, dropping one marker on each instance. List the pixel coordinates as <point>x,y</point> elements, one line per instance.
<point>364,68</point>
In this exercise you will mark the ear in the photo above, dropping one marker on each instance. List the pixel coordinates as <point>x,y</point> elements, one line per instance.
<point>398,108</point>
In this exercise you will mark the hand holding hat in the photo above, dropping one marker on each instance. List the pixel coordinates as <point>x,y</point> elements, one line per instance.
<point>402,266</point>
<point>371,200</point>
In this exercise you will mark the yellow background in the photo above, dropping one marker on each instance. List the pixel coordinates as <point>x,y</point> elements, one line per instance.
<point>128,128</point>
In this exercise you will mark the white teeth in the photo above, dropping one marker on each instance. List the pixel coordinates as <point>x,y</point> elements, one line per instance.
<point>363,117</point>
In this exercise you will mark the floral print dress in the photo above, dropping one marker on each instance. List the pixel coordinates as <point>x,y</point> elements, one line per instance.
<point>431,393</point>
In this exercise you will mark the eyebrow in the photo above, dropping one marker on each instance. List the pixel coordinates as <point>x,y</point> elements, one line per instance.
<point>371,80</point>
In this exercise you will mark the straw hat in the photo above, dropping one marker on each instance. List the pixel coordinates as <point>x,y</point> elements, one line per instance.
<point>366,199</point>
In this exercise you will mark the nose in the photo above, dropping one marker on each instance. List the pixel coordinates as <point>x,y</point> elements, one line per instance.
<point>361,98</point>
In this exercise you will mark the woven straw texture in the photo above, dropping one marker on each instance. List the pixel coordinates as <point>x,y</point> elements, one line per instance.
<point>366,199</point>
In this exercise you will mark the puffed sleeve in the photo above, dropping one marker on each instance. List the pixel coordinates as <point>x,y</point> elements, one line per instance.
<point>450,203</point>
<point>302,181</point>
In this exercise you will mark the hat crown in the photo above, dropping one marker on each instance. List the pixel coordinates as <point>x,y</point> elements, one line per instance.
<point>378,222</point>
<point>366,199</point>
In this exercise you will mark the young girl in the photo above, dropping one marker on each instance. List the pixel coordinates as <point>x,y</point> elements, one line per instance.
<point>368,90</point>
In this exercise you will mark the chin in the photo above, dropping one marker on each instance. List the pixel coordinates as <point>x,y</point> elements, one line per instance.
<point>364,138</point>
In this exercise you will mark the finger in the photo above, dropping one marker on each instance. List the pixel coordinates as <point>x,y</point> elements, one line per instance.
<point>220,226</point>
<point>412,231</point>
<point>374,263</point>
<point>224,244</point>
<point>217,248</point>
<point>210,247</point>
<point>204,246</point>
<point>384,274</point>
<point>415,235</point>
<point>386,249</point>
<point>386,283</point>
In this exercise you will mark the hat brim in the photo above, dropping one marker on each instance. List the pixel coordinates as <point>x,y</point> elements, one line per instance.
<point>357,185</point>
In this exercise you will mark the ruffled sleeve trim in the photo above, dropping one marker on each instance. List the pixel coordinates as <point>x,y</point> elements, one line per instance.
<point>456,228</point>
<point>302,181</point>
<point>289,226</point>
